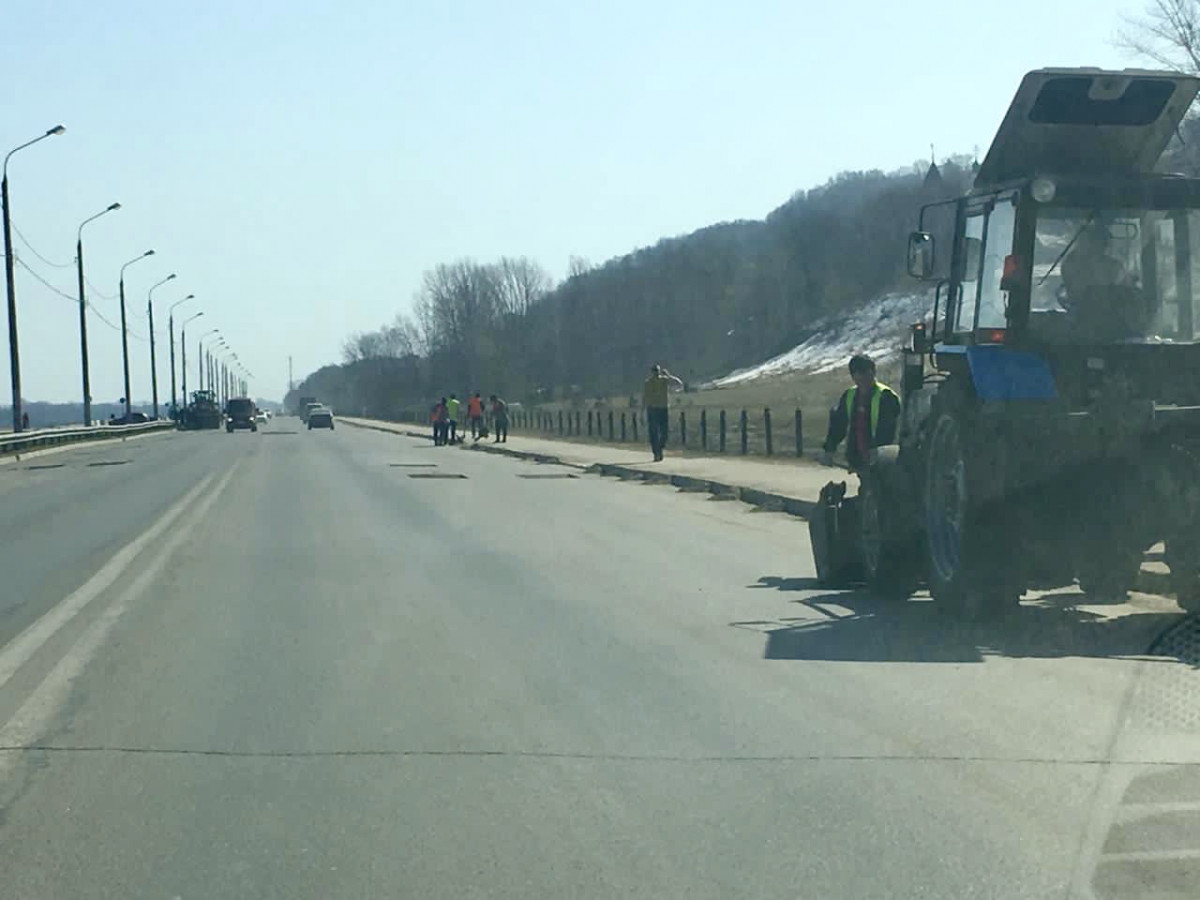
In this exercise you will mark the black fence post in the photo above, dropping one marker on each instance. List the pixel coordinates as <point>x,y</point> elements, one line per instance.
<point>742,423</point>
<point>622,428</point>
<point>682,428</point>
<point>799,434</point>
<point>611,433</point>
<point>635,416</point>
<point>578,428</point>
<point>721,431</point>
<point>767,429</point>
<point>704,429</point>
<point>589,423</point>
<point>560,422</point>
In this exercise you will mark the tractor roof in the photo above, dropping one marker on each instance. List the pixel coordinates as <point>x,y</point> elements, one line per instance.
<point>1088,122</point>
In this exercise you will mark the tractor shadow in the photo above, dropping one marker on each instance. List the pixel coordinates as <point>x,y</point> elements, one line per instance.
<point>856,626</point>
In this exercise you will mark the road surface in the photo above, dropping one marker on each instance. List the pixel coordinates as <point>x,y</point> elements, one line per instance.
<point>291,665</point>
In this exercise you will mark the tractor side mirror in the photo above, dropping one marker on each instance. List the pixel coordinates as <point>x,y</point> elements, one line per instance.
<point>920,255</point>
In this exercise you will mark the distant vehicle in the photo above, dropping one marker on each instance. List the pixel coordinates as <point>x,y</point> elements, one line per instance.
<point>302,405</point>
<point>320,417</point>
<point>308,408</point>
<point>262,417</point>
<point>134,418</point>
<point>240,412</point>
<point>201,413</point>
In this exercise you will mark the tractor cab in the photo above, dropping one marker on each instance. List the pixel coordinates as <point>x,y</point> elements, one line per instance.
<point>1069,238</point>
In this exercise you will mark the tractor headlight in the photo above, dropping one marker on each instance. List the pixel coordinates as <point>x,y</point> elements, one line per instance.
<point>1042,190</point>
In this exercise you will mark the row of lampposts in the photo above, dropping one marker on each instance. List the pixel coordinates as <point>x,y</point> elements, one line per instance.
<point>232,374</point>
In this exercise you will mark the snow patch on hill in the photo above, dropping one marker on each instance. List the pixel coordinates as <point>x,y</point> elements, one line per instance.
<point>878,329</point>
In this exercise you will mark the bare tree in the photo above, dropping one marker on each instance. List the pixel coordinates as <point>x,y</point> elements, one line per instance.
<point>1167,32</point>
<point>521,283</point>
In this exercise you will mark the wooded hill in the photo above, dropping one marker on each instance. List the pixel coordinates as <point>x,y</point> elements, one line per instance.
<point>724,296</point>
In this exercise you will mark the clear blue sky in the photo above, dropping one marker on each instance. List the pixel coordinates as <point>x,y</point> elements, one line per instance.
<point>300,164</point>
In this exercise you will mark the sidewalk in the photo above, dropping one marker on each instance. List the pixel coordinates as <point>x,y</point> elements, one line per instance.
<point>786,485</point>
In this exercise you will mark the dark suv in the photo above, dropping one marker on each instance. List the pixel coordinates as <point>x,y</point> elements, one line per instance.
<point>240,412</point>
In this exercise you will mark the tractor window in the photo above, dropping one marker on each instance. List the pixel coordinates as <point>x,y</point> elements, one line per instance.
<point>993,303</point>
<point>969,286</point>
<point>1115,275</point>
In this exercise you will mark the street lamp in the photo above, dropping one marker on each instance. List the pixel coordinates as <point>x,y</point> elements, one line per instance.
<point>14,353</point>
<point>171,330</point>
<point>200,360</point>
<point>153,358</point>
<point>223,365</point>
<point>125,335</point>
<point>216,375</point>
<point>183,347</point>
<point>83,346</point>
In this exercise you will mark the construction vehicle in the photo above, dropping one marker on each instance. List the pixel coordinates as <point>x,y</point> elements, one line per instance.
<point>202,413</point>
<point>1050,430</point>
<point>302,405</point>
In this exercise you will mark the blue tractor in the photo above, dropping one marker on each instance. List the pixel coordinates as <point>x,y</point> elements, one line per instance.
<point>1051,410</point>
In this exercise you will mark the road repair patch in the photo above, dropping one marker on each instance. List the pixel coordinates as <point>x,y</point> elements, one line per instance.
<point>108,462</point>
<point>413,465</point>
<point>434,475</point>
<point>549,475</point>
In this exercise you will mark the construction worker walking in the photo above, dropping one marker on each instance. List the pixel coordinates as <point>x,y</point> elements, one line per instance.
<point>452,409</point>
<point>654,399</point>
<point>865,417</point>
<point>475,413</point>
<point>499,419</point>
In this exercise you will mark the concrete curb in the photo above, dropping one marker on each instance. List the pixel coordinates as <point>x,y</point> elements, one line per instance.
<point>765,500</point>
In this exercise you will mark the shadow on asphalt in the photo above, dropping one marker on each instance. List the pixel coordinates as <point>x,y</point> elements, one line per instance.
<point>859,627</point>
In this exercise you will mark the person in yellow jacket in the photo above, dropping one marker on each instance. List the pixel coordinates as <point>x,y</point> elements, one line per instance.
<point>654,399</point>
<point>865,416</point>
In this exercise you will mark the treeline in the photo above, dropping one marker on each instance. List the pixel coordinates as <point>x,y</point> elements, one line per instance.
<point>722,297</point>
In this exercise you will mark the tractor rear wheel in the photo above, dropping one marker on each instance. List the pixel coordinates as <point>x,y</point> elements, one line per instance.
<point>966,547</point>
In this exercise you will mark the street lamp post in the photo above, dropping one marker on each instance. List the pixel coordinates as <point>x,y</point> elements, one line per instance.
<point>14,353</point>
<point>153,358</point>
<point>183,348</point>
<point>200,361</point>
<point>218,369</point>
<point>83,344</point>
<point>125,337</point>
<point>171,329</point>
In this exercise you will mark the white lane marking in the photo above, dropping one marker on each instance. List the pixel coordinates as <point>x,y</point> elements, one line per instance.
<point>21,648</point>
<point>36,712</point>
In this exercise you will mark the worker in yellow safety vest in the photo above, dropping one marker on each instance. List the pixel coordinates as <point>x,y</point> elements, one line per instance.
<point>865,416</point>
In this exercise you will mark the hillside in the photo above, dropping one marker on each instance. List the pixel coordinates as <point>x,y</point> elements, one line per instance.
<point>718,300</point>
<point>878,328</point>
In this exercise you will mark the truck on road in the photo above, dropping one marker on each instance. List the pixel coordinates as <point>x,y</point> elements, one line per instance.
<point>1050,430</point>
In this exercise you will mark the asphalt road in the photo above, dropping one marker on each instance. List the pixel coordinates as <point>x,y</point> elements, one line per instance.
<point>282,665</point>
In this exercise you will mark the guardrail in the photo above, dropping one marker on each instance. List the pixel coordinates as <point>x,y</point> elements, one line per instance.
<point>36,440</point>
